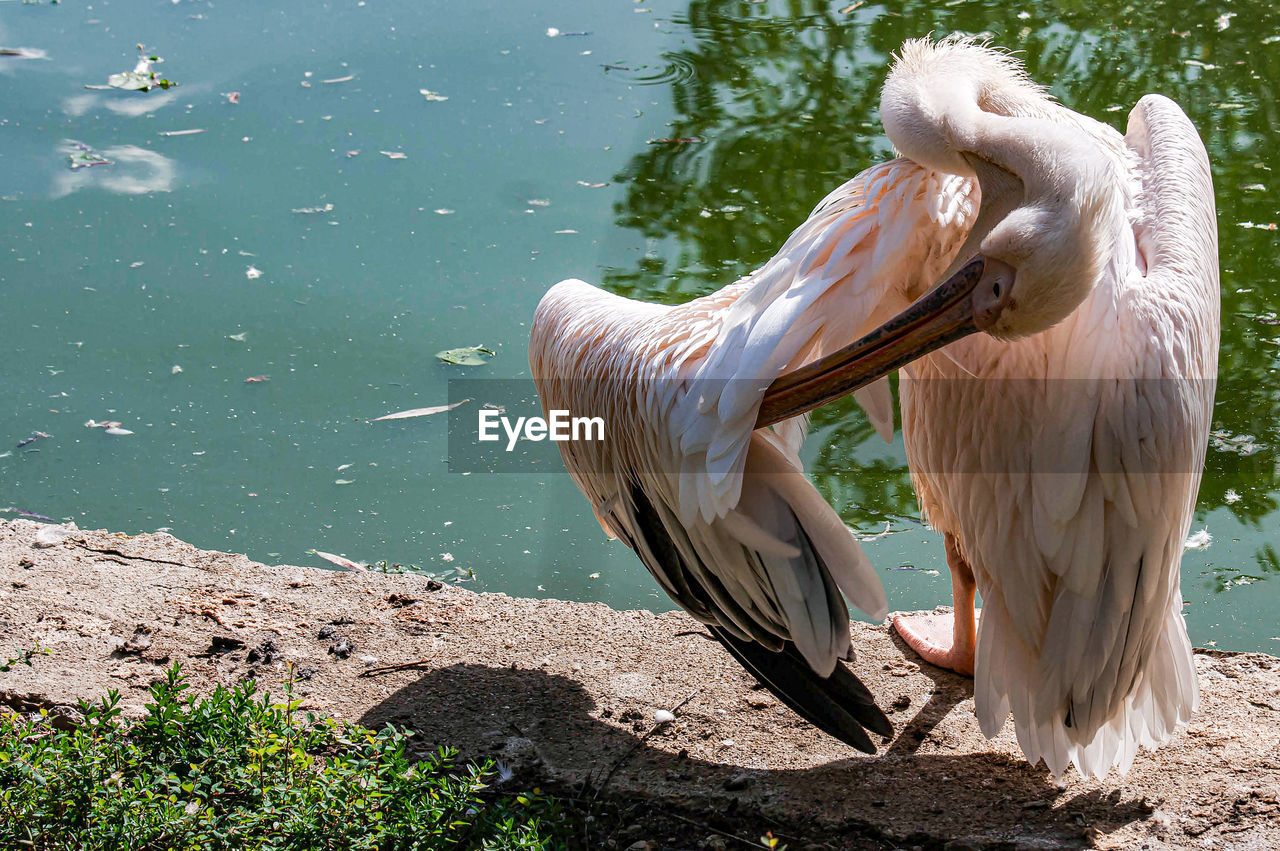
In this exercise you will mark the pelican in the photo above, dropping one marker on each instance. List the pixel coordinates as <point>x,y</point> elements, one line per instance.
<point>1059,450</point>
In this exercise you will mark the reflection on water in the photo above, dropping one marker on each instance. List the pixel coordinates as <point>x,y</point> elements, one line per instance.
<point>666,148</point>
<point>133,171</point>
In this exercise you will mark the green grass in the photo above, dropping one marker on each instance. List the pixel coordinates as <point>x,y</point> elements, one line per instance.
<point>237,770</point>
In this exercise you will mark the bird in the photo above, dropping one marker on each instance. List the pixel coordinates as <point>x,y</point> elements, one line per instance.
<point>1056,393</point>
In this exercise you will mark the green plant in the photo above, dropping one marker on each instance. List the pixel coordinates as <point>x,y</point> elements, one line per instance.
<point>236,770</point>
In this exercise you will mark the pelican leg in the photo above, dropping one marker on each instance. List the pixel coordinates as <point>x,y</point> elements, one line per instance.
<point>946,639</point>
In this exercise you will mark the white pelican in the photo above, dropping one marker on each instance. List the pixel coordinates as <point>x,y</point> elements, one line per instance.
<point>1059,452</point>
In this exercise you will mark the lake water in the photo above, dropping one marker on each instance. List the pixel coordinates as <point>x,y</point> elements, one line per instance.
<point>397,178</point>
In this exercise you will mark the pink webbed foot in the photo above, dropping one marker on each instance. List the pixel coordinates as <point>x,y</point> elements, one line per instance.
<point>938,639</point>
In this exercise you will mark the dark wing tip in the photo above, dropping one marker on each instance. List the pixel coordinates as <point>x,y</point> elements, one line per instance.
<point>838,705</point>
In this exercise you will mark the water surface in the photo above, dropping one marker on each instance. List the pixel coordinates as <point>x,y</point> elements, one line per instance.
<point>473,154</point>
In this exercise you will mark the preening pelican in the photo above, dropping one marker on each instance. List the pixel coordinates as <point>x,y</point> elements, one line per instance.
<point>1059,451</point>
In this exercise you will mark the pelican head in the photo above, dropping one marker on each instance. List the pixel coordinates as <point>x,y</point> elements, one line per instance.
<point>1049,213</point>
<point>1049,198</point>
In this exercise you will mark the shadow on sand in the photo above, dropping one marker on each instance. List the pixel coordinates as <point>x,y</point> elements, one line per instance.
<point>900,797</point>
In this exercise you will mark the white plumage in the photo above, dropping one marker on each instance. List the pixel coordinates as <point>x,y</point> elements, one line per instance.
<point>1060,453</point>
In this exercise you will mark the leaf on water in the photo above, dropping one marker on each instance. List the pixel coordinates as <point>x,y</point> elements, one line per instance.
<point>116,430</point>
<point>590,185</point>
<point>443,211</point>
<point>345,563</point>
<point>432,96</point>
<point>232,97</point>
<point>469,356</point>
<point>253,273</point>
<point>257,379</point>
<point>421,412</point>
<point>107,424</point>
<point>87,158</point>
<point>345,79</point>
<point>394,155</point>
<point>193,131</point>
<point>239,338</point>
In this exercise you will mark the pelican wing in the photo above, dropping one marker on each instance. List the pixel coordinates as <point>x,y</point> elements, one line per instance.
<point>721,514</point>
<point>867,250</point>
<point>767,579</point>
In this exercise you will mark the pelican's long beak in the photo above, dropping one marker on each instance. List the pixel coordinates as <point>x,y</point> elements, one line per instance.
<point>946,313</point>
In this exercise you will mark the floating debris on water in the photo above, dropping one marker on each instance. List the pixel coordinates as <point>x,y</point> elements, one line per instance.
<point>257,379</point>
<point>253,273</point>
<point>24,52</point>
<point>394,155</point>
<point>1238,444</point>
<point>83,156</point>
<point>21,512</point>
<point>340,561</point>
<point>420,412</point>
<point>307,211</point>
<point>39,435</point>
<point>142,78</point>
<point>1199,540</point>
<point>431,96</point>
<point>469,356</point>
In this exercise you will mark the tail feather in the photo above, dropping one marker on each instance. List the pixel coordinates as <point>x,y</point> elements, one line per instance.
<point>839,705</point>
<point>1165,696</point>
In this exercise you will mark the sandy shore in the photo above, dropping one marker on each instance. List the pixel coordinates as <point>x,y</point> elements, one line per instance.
<point>566,693</point>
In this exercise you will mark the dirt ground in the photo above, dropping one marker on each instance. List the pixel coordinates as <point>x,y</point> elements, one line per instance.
<point>565,694</point>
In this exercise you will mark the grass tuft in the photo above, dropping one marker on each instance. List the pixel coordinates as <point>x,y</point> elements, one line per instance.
<point>237,770</point>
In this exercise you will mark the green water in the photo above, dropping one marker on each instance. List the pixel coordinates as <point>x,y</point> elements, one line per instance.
<point>113,275</point>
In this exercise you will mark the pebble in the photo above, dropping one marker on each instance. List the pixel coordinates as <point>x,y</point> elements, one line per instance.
<point>51,536</point>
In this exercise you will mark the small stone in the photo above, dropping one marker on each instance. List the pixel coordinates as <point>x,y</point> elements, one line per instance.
<point>643,845</point>
<point>434,584</point>
<point>738,782</point>
<point>342,649</point>
<point>224,644</point>
<point>662,716</point>
<point>65,717</point>
<point>51,536</point>
<point>903,702</point>
<point>140,641</point>
<point>265,653</point>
